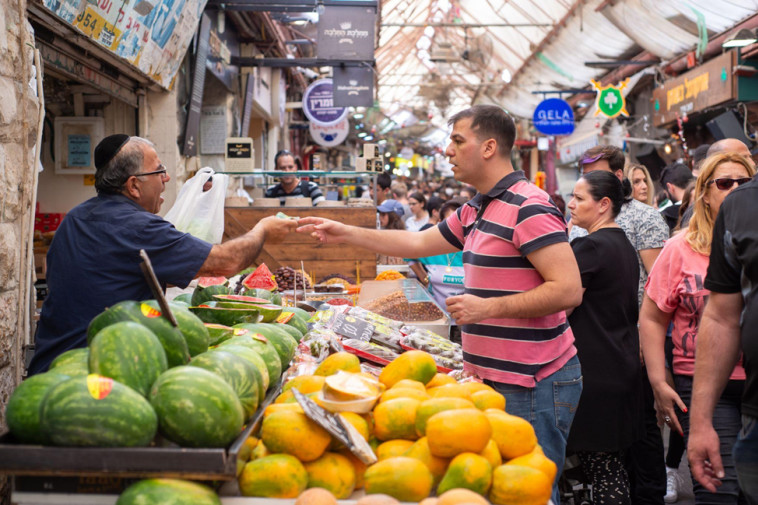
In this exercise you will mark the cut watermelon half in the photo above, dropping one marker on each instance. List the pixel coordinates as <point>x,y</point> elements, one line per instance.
<point>242,298</point>
<point>212,281</point>
<point>261,278</point>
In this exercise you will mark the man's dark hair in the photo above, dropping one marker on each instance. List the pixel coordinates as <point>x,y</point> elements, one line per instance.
<point>434,203</point>
<point>383,180</point>
<point>677,174</point>
<point>111,178</point>
<point>450,204</point>
<point>281,153</point>
<point>490,122</point>
<point>612,154</point>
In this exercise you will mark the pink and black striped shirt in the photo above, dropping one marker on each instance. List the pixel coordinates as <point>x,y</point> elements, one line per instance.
<point>496,232</point>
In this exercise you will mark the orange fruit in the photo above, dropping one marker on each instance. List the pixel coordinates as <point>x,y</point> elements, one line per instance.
<point>487,399</point>
<point>492,454</point>
<point>316,496</point>
<point>410,383</point>
<point>522,485</point>
<point>406,479</point>
<point>396,392</point>
<point>334,472</point>
<point>537,460</point>
<point>416,365</point>
<point>396,419</point>
<point>430,407</point>
<point>440,379</point>
<point>467,470</point>
<point>513,435</point>
<point>450,390</point>
<point>420,451</point>
<point>460,496</point>
<point>293,433</point>
<point>452,432</point>
<point>392,449</point>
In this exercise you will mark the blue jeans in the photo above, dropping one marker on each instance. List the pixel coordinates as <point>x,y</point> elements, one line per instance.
<point>746,459</point>
<point>550,407</point>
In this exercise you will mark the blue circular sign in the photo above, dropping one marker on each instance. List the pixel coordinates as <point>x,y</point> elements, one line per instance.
<point>318,104</point>
<point>554,117</point>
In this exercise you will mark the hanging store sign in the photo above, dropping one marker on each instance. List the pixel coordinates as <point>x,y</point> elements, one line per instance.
<point>554,117</point>
<point>332,135</point>
<point>712,83</point>
<point>152,35</point>
<point>318,103</point>
<point>353,86</point>
<point>610,99</point>
<point>223,44</point>
<point>346,33</point>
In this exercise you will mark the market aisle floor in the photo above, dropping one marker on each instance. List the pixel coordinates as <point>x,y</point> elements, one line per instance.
<point>686,497</point>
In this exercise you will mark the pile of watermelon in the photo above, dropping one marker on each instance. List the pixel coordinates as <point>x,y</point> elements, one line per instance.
<point>195,384</point>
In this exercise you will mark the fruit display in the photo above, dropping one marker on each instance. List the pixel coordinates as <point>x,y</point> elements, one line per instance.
<point>287,278</point>
<point>436,440</point>
<point>389,275</point>
<point>396,306</point>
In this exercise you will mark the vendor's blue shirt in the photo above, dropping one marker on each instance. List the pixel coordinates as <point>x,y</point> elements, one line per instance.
<point>94,262</point>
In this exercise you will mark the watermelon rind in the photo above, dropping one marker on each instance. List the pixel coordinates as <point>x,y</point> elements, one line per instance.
<point>239,373</point>
<point>196,408</point>
<point>224,315</point>
<point>129,353</point>
<point>282,341</point>
<point>172,339</point>
<point>71,416</point>
<point>168,492</point>
<point>203,294</point>
<point>194,331</point>
<point>265,348</point>
<point>255,359</point>
<point>78,356</point>
<point>268,311</point>
<point>242,299</point>
<point>183,298</point>
<point>218,333</point>
<point>22,414</point>
<point>294,332</point>
<point>298,323</point>
<point>303,314</point>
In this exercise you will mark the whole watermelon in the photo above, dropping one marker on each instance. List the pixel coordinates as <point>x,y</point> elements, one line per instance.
<point>254,359</point>
<point>96,411</point>
<point>23,409</point>
<point>172,339</point>
<point>265,348</point>
<point>129,353</point>
<point>196,408</point>
<point>282,341</point>
<point>78,356</point>
<point>239,373</point>
<point>194,331</point>
<point>168,492</point>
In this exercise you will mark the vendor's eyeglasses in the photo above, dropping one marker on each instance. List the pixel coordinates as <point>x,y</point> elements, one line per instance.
<point>161,170</point>
<point>725,183</point>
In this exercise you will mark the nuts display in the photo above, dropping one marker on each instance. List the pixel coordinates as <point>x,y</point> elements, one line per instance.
<point>396,306</point>
<point>337,279</point>
<point>288,279</point>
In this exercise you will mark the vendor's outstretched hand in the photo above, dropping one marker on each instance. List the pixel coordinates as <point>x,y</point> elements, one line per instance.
<point>325,231</point>
<point>276,228</point>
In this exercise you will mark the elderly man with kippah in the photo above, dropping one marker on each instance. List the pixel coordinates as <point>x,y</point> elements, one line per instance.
<point>94,260</point>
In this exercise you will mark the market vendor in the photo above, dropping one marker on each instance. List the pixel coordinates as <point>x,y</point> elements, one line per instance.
<point>291,186</point>
<point>520,276</point>
<point>94,260</point>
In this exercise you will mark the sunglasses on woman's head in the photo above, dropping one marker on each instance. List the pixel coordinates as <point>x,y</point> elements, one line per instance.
<point>725,183</point>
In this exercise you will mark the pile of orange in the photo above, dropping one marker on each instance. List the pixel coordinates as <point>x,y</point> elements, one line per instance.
<point>428,432</point>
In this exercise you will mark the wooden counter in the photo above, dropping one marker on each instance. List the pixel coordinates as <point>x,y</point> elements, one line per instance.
<point>319,260</point>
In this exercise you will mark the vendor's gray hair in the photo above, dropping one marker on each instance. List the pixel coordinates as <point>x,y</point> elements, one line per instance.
<point>111,178</point>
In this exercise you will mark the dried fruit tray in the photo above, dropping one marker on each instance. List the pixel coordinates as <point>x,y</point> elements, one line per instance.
<point>125,462</point>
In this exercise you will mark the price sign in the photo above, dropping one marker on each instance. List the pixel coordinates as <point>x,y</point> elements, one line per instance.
<point>351,327</point>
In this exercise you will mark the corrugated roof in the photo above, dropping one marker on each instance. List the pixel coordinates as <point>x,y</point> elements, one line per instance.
<point>437,56</point>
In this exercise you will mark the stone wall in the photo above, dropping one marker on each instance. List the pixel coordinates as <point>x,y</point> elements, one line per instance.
<point>18,132</point>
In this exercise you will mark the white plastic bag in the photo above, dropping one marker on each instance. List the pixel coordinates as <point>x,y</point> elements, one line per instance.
<point>201,213</point>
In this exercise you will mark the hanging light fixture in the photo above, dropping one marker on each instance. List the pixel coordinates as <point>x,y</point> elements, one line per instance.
<point>740,38</point>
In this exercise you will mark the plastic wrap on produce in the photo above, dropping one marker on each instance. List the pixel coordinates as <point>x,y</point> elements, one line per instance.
<point>371,348</point>
<point>374,318</point>
<point>446,354</point>
<point>319,343</point>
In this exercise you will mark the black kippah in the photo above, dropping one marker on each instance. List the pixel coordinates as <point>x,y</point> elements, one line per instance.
<point>108,148</point>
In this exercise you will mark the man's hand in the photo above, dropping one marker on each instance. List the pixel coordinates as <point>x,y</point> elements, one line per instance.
<point>468,309</point>
<point>705,457</point>
<point>275,229</point>
<point>324,230</point>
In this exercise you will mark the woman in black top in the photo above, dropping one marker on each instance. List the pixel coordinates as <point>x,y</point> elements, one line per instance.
<point>605,327</point>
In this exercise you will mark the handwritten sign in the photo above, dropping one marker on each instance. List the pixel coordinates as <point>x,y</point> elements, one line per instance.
<point>350,327</point>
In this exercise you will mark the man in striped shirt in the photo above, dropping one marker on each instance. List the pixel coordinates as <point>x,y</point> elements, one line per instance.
<point>520,275</point>
<point>291,186</point>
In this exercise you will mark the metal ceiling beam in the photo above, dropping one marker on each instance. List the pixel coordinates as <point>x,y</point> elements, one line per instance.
<point>468,25</point>
<point>252,61</point>
<point>287,5</point>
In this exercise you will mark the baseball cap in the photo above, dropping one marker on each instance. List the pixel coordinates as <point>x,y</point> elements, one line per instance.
<point>391,206</point>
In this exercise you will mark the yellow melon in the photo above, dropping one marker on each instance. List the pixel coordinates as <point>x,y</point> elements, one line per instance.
<point>396,419</point>
<point>513,435</point>
<point>452,432</point>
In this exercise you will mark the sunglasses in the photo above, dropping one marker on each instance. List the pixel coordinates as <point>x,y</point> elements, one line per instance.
<point>725,183</point>
<point>161,170</point>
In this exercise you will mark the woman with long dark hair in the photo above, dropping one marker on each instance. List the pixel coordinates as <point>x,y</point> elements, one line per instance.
<point>607,420</point>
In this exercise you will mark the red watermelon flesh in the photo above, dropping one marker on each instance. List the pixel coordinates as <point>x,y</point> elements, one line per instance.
<point>212,281</point>
<point>261,278</point>
<point>242,298</point>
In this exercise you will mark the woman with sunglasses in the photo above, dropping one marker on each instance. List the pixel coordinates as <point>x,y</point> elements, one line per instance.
<point>675,292</point>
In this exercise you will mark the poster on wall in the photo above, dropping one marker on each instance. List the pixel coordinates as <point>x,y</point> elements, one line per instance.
<point>151,35</point>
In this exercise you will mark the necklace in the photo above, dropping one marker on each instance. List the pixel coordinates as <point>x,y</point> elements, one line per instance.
<point>449,258</point>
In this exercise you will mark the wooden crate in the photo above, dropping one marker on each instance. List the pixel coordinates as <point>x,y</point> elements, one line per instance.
<point>319,260</point>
